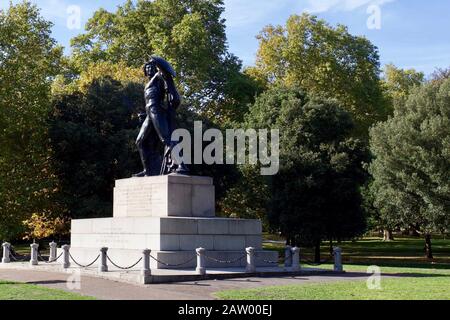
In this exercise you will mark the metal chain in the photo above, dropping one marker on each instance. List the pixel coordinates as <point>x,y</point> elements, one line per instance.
<point>225,261</point>
<point>83,266</point>
<point>49,261</point>
<point>173,265</point>
<point>18,259</point>
<point>123,268</point>
<point>56,259</point>
<point>41,257</point>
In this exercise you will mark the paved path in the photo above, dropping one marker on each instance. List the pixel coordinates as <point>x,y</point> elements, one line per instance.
<point>202,290</point>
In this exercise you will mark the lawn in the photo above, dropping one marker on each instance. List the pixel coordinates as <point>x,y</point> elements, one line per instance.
<point>416,287</point>
<point>21,291</point>
<point>403,252</point>
<point>419,278</point>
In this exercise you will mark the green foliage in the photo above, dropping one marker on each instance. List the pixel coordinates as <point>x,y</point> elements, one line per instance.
<point>29,58</point>
<point>398,83</point>
<point>188,33</point>
<point>93,130</point>
<point>411,166</point>
<point>327,61</point>
<point>315,195</point>
<point>92,133</point>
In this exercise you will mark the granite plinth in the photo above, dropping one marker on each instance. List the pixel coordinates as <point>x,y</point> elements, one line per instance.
<point>165,196</point>
<point>172,216</point>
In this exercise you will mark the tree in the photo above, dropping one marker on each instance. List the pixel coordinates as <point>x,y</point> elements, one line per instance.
<point>399,83</point>
<point>315,196</point>
<point>440,75</point>
<point>42,226</point>
<point>188,33</point>
<point>326,61</point>
<point>29,59</point>
<point>92,129</point>
<point>411,165</point>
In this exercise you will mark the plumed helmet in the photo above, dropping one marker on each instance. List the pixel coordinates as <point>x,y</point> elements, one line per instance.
<point>163,65</point>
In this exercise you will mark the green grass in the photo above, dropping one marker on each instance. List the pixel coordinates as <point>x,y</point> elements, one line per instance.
<point>22,291</point>
<point>417,278</point>
<point>403,252</point>
<point>432,287</point>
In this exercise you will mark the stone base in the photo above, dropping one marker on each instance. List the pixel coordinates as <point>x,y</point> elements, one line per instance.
<point>171,215</point>
<point>172,240</point>
<point>167,234</point>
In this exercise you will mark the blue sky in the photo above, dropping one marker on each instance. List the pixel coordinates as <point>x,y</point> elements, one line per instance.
<point>413,33</point>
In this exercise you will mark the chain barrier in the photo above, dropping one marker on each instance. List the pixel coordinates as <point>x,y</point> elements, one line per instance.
<point>225,261</point>
<point>16,257</point>
<point>123,268</point>
<point>19,258</point>
<point>49,261</point>
<point>83,266</point>
<point>173,265</point>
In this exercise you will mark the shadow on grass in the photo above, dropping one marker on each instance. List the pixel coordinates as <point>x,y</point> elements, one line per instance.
<point>44,282</point>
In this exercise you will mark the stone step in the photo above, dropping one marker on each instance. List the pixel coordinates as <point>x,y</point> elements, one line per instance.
<point>166,241</point>
<point>154,225</point>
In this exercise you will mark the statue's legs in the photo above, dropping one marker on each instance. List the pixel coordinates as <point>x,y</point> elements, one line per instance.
<point>160,123</point>
<point>164,124</point>
<point>147,144</point>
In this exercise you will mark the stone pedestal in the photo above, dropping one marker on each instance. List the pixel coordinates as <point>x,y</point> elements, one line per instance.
<point>164,196</point>
<point>172,216</point>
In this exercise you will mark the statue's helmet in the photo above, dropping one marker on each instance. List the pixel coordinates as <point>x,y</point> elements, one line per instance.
<point>162,64</point>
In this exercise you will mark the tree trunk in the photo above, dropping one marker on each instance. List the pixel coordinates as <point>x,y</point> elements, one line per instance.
<point>428,250</point>
<point>317,252</point>
<point>388,235</point>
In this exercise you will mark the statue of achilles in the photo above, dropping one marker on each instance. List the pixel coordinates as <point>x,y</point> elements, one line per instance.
<point>162,100</point>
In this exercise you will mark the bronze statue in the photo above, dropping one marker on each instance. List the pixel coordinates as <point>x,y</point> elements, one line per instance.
<point>162,100</point>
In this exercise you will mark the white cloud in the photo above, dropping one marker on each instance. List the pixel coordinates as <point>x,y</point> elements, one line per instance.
<point>50,9</point>
<point>54,8</point>
<point>319,6</point>
<point>239,13</point>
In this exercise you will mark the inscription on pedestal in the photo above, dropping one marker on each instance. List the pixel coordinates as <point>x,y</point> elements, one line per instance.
<point>167,196</point>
